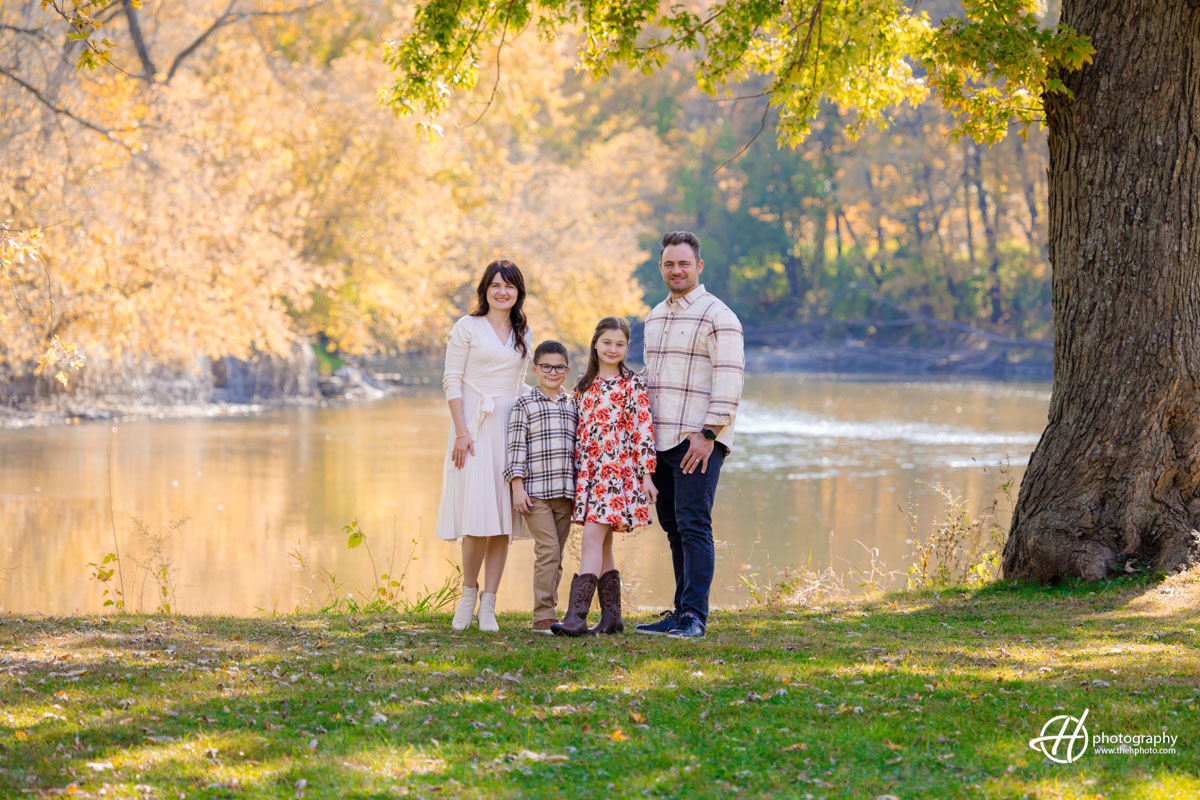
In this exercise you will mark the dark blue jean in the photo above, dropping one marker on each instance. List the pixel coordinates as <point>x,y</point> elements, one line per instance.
<point>685,512</point>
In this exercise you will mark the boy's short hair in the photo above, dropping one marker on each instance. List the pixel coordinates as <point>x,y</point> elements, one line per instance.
<point>550,347</point>
<point>680,237</point>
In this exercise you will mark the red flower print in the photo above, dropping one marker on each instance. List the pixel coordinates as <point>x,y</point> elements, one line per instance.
<point>611,452</point>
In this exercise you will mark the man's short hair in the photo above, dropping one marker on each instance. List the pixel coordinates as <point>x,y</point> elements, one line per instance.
<point>550,347</point>
<point>680,237</point>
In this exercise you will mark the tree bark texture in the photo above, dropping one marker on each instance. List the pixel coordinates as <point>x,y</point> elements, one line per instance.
<point>1116,475</point>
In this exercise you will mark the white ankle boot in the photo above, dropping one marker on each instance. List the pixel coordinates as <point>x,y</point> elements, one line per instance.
<point>487,612</point>
<point>466,609</point>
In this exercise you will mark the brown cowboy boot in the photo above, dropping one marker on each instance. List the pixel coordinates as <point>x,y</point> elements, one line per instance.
<point>578,604</point>
<point>609,590</point>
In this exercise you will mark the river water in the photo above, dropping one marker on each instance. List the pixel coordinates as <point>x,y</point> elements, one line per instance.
<point>822,472</point>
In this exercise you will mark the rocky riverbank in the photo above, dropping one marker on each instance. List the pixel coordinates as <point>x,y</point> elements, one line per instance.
<point>210,388</point>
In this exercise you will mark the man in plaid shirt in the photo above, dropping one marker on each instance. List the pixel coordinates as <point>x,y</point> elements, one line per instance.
<point>694,363</point>
<point>540,466</point>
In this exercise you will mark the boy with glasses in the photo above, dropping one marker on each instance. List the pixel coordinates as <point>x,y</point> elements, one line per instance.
<point>540,467</point>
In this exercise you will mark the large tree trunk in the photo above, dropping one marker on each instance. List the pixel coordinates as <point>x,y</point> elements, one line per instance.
<point>1116,475</point>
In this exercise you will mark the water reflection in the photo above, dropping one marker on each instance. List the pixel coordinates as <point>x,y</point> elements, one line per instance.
<point>817,466</point>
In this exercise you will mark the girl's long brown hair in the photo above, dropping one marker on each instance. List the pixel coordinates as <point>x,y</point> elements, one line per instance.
<point>593,365</point>
<point>511,274</point>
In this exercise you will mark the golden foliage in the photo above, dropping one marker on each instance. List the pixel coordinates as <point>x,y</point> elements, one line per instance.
<point>262,196</point>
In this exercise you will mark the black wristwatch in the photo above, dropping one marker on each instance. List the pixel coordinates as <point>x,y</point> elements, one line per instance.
<point>709,434</point>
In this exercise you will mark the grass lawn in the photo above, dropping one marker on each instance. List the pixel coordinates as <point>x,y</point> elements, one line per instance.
<point>912,695</point>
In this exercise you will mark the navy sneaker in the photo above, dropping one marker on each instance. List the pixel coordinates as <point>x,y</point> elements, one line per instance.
<point>666,621</point>
<point>689,627</point>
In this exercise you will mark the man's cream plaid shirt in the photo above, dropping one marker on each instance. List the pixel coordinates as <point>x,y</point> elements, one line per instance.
<point>694,363</point>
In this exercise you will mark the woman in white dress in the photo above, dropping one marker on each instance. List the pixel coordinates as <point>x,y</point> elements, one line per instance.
<point>487,356</point>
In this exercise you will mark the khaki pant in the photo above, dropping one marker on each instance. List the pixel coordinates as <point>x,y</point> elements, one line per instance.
<point>549,523</point>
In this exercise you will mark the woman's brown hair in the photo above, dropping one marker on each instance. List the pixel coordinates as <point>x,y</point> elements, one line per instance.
<point>510,274</point>
<point>593,365</point>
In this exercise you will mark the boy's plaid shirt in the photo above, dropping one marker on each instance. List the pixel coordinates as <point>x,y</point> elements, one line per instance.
<point>694,363</point>
<point>541,444</point>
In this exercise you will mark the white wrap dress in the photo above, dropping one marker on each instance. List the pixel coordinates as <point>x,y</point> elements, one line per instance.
<point>489,377</point>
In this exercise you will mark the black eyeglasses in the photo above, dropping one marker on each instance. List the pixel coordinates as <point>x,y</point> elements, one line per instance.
<point>557,369</point>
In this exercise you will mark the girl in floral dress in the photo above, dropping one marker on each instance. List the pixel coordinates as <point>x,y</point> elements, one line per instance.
<point>614,487</point>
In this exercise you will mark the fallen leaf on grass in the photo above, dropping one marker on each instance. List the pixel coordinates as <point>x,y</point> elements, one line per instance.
<point>99,766</point>
<point>636,717</point>
<point>890,745</point>
<point>558,711</point>
<point>791,748</point>
<point>546,758</point>
<point>619,736</point>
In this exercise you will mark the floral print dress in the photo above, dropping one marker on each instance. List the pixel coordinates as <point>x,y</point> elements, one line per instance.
<point>614,451</point>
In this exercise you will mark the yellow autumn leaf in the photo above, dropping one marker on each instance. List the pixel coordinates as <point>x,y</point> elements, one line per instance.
<point>636,717</point>
<point>619,736</point>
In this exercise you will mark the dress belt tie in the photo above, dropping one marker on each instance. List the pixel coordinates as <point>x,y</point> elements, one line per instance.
<point>487,406</point>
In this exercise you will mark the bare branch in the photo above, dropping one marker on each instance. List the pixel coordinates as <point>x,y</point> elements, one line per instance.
<point>762,126</point>
<point>27,31</point>
<point>679,39</point>
<point>814,23</point>
<point>229,17</point>
<point>499,50</point>
<point>191,48</point>
<point>739,98</point>
<point>107,134</point>
<point>139,42</point>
